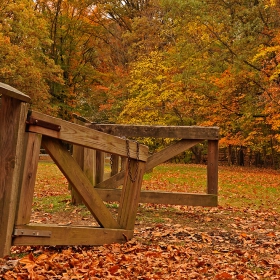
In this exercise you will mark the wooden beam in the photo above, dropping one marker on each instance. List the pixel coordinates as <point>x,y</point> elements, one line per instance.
<point>28,178</point>
<point>67,235</point>
<point>212,167</point>
<point>81,135</point>
<point>73,172</point>
<point>13,93</point>
<point>130,194</point>
<point>180,132</point>
<point>158,197</point>
<point>152,161</point>
<point>12,126</point>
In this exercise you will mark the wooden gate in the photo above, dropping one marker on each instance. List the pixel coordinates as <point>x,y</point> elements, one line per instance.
<point>188,137</point>
<point>22,133</point>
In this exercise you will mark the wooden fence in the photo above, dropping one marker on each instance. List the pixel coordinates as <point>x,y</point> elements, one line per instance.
<point>22,132</point>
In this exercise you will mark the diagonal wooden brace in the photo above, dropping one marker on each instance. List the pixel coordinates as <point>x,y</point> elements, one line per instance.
<point>72,171</point>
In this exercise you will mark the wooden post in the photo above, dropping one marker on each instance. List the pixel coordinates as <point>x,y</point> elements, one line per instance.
<point>32,147</point>
<point>130,194</point>
<point>100,163</point>
<point>114,164</point>
<point>13,115</point>
<point>78,155</point>
<point>212,167</point>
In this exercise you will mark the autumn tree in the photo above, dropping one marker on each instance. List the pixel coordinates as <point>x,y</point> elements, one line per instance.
<point>24,62</point>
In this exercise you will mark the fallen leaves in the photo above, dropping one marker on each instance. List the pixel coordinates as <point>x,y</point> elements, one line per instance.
<point>173,250</point>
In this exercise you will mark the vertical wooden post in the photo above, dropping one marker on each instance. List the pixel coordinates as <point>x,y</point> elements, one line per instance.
<point>100,163</point>
<point>212,167</point>
<point>115,164</point>
<point>32,147</point>
<point>78,155</point>
<point>13,115</point>
<point>130,195</point>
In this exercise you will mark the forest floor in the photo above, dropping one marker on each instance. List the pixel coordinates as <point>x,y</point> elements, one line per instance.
<point>239,239</point>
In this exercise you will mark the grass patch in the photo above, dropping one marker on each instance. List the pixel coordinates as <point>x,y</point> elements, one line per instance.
<point>238,187</point>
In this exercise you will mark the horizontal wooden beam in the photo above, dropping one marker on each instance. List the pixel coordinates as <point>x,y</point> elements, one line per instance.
<point>179,132</point>
<point>157,197</point>
<point>68,235</point>
<point>81,135</point>
<point>14,93</point>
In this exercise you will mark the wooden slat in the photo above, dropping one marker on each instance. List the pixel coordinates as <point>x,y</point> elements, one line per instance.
<point>12,126</point>
<point>28,178</point>
<point>67,235</point>
<point>14,93</point>
<point>114,164</point>
<point>100,164</point>
<point>152,161</point>
<point>184,132</point>
<point>130,194</point>
<point>159,197</point>
<point>212,167</point>
<point>72,171</point>
<point>90,138</point>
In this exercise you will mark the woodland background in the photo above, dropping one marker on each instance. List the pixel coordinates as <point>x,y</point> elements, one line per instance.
<point>158,62</point>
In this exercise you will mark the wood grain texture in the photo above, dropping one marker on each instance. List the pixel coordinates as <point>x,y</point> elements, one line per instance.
<point>180,132</point>
<point>67,235</point>
<point>130,194</point>
<point>212,167</point>
<point>159,197</point>
<point>33,143</point>
<point>14,93</point>
<point>12,126</point>
<point>74,174</point>
<point>90,138</point>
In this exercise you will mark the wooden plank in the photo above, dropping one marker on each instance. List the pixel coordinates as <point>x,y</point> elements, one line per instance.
<point>158,197</point>
<point>73,172</point>
<point>90,138</point>
<point>14,93</point>
<point>12,126</point>
<point>100,164</point>
<point>28,178</point>
<point>114,164</point>
<point>184,132</point>
<point>78,155</point>
<point>130,194</point>
<point>212,167</point>
<point>67,235</point>
<point>152,161</point>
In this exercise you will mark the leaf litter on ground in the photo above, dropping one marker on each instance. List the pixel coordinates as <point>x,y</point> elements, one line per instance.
<point>170,242</point>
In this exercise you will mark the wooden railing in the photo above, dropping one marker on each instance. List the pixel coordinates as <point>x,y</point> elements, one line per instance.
<point>23,132</point>
<point>189,136</point>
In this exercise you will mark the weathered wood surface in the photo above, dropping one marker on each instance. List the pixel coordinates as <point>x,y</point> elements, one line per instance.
<point>159,197</point>
<point>180,132</point>
<point>74,174</point>
<point>13,93</point>
<point>100,165</point>
<point>114,162</point>
<point>33,143</point>
<point>212,167</point>
<point>12,126</point>
<point>152,162</point>
<point>90,138</point>
<point>130,194</point>
<point>68,235</point>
